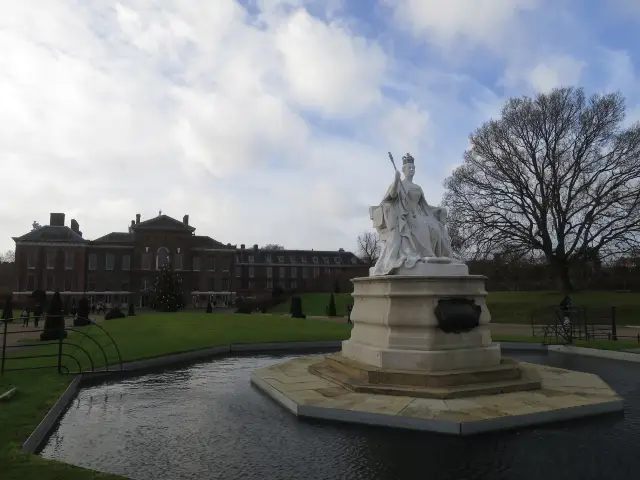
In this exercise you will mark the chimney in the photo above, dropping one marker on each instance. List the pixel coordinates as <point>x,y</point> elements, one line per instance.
<point>56,219</point>
<point>133,223</point>
<point>242,247</point>
<point>341,250</point>
<point>75,226</point>
<point>137,218</point>
<point>255,247</point>
<point>185,219</point>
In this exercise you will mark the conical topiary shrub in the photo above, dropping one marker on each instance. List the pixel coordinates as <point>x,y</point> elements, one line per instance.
<point>54,322</point>
<point>209,307</point>
<point>132,311</point>
<point>331,311</point>
<point>7,312</point>
<point>296,307</point>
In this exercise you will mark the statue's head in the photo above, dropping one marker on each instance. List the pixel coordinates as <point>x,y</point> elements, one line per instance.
<point>408,166</point>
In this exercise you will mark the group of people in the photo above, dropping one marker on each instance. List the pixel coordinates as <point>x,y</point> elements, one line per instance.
<point>37,314</point>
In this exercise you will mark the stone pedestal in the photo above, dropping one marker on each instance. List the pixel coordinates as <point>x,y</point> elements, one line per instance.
<point>396,328</point>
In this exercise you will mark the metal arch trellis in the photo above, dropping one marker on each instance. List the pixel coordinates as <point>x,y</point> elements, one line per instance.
<point>60,354</point>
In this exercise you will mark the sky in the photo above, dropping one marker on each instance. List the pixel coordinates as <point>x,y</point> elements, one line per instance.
<point>269,121</point>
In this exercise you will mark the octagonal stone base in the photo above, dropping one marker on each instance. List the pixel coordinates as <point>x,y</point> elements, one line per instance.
<point>362,378</point>
<point>564,395</point>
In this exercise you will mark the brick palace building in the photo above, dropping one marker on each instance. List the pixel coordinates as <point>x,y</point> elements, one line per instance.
<point>121,266</point>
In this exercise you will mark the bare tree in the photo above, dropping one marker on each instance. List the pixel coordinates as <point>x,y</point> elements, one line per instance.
<point>557,174</point>
<point>272,246</point>
<point>8,257</point>
<point>369,245</point>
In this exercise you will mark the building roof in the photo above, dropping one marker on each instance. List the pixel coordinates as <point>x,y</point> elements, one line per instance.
<point>50,233</point>
<point>163,222</point>
<point>324,257</point>
<point>115,237</point>
<point>204,241</point>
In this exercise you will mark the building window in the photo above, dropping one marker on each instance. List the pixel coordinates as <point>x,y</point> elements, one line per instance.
<point>325,260</point>
<point>91,283</point>
<point>267,258</point>
<point>315,259</point>
<point>196,264</point>
<point>124,286</point>
<point>294,272</point>
<point>162,257</point>
<point>304,259</point>
<point>67,283</point>
<point>68,260</point>
<point>225,284</point>
<point>238,271</point>
<point>145,262</point>
<point>251,272</point>
<point>292,259</point>
<point>305,272</point>
<point>316,272</point>
<point>283,272</point>
<point>31,259</point>
<point>126,262</point>
<point>177,261</point>
<point>354,260</point>
<point>109,262</point>
<point>50,285</point>
<point>31,283</point>
<point>337,260</point>
<point>281,258</point>
<point>108,285</point>
<point>251,284</point>
<point>269,284</point>
<point>250,258</point>
<point>210,262</point>
<point>212,284</point>
<point>269,272</point>
<point>51,259</point>
<point>294,285</point>
<point>93,261</point>
<point>145,284</point>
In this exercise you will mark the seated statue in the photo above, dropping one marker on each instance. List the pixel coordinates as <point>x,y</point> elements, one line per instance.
<point>413,232</point>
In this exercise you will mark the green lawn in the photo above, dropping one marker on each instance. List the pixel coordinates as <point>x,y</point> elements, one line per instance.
<point>137,337</point>
<point>508,307</point>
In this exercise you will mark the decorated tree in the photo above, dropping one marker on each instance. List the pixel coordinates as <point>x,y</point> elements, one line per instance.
<point>83,313</point>
<point>168,290</point>
<point>54,323</point>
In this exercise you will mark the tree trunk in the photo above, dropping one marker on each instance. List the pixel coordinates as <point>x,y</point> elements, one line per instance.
<point>563,271</point>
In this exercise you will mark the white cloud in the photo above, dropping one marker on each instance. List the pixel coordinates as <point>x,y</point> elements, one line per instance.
<point>444,23</point>
<point>552,72</point>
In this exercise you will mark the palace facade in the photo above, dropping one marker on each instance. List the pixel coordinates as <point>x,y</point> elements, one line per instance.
<point>121,266</point>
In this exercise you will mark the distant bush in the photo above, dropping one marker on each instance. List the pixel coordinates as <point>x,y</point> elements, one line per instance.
<point>114,313</point>
<point>83,313</point>
<point>296,307</point>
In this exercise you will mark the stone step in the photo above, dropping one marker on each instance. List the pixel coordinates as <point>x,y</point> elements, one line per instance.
<point>528,381</point>
<point>507,370</point>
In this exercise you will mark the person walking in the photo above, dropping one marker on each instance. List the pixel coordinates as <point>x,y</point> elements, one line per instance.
<point>25,317</point>
<point>37,313</point>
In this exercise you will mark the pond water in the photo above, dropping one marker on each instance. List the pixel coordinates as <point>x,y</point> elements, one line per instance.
<point>206,421</point>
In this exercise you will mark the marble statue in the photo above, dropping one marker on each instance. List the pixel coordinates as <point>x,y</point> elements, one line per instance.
<point>413,232</point>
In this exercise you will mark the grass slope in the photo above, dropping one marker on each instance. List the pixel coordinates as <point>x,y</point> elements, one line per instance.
<point>509,307</point>
<point>137,337</point>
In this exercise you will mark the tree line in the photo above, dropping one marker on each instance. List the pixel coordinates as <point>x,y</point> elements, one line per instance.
<point>549,190</point>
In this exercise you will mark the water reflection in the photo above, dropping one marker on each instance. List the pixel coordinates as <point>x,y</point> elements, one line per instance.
<point>206,421</point>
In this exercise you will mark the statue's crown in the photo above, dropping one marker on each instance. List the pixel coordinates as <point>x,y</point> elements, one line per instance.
<point>407,159</point>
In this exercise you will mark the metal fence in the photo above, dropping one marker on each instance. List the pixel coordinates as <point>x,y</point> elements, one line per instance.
<point>80,349</point>
<point>564,326</point>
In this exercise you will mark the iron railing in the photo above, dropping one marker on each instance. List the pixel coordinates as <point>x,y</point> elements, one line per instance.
<point>564,326</point>
<point>63,341</point>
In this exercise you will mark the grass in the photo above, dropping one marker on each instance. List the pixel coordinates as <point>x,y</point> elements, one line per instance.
<point>139,337</point>
<point>510,307</point>
<point>146,336</point>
